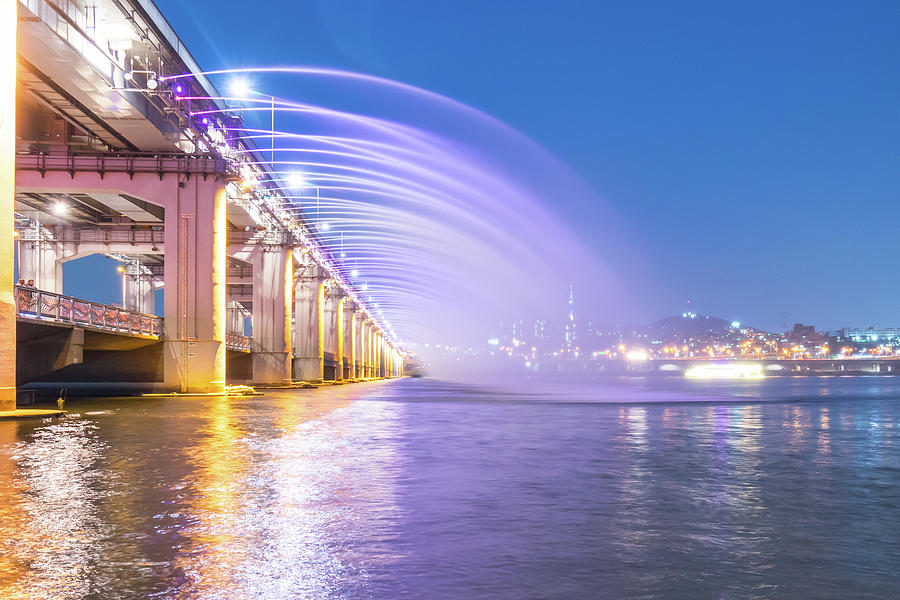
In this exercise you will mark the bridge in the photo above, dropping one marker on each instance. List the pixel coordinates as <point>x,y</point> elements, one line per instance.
<point>105,157</point>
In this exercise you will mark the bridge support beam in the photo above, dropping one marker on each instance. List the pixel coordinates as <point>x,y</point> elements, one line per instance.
<point>357,351</point>
<point>139,294</point>
<point>309,308</point>
<point>348,312</point>
<point>8,20</point>
<point>334,342</point>
<point>376,352</point>
<point>234,317</point>
<point>273,284</point>
<point>39,256</point>
<point>195,310</point>
<point>389,360</point>
<point>367,348</point>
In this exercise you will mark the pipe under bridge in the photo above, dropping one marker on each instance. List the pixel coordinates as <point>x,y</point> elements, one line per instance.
<point>98,157</point>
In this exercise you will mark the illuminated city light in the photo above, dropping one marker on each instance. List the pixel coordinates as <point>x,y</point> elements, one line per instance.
<point>60,208</point>
<point>637,355</point>
<point>726,371</point>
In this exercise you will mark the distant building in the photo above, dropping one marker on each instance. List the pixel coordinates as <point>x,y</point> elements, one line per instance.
<point>889,335</point>
<point>571,336</point>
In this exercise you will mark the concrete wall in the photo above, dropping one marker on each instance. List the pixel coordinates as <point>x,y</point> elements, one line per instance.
<point>8,20</point>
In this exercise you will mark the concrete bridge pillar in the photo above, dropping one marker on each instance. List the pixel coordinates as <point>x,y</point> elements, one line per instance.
<point>357,351</point>
<point>389,355</point>
<point>348,312</point>
<point>235,317</point>
<point>273,284</point>
<point>334,304</point>
<point>309,307</point>
<point>39,256</point>
<point>8,22</point>
<point>362,333</point>
<point>195,312</point>
<point>139,294</point>
<point>367,348</point>
<point>376,353</point>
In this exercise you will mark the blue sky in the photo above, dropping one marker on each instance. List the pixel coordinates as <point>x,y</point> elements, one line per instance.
<point>751,149</point>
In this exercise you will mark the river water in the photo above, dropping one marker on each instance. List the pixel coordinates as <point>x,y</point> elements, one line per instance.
<point>782,488</point>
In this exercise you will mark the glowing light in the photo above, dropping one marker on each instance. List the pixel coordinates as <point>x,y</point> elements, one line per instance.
<point>60,208</point>
<point>152,83</point>
<point>637,355</point>
<point>736,324</point>
<point>179,89</point>
<point>325,226</point>
<point>129,76</point>
<point>729,371</point>
<point>296,180</point>
<point>354,273</point>
<point>239,87</point>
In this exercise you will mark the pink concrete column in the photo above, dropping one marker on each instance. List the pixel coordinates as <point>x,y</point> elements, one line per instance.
<point>195,308</point>
<point>369,344</point>
<point>334,301</point>
<point>273,284</point>
<point>359,371</point>
<point>7,192</point>
<point>309,307</point>
<point>347,347</point>
<point>376,351</point>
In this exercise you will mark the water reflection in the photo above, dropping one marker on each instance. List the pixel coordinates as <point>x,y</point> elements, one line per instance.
<point>239,499</point>
<point>428,490</point>
<point>58,490</point>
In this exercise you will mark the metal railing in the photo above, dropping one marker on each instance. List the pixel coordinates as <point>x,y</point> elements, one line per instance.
<point>131,163</point>
<point>33,303</point>
<point>236,341</point>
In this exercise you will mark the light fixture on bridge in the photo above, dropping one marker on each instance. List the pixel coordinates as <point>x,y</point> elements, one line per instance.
<point>324,226</point>
<point>296,180</point>
<point>354,273</point>
<point>152,83</point>
<point>60,208</point>
<point>239,87</point>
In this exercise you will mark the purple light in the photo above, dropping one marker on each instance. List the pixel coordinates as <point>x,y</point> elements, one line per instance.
<point>205,121</point>
<point>179,89</point>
